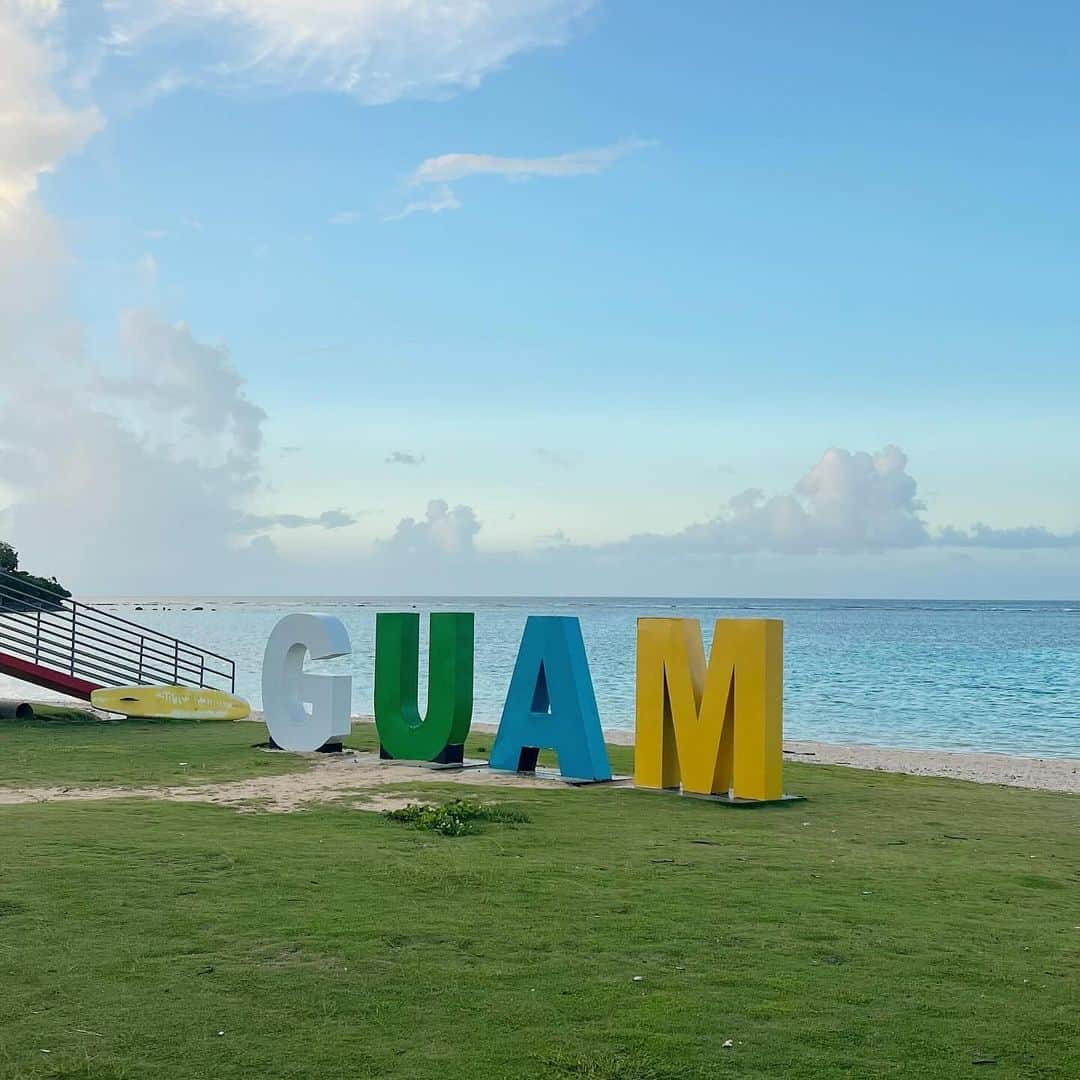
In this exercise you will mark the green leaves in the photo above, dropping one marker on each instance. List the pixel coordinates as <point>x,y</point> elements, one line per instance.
<point>458,817</point>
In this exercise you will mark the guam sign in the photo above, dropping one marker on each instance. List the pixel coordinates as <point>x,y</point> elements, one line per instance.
<point>703,726</point>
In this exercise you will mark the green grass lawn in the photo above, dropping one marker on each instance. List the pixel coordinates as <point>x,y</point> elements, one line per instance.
<point>891,926</point>
<point>71,748</point>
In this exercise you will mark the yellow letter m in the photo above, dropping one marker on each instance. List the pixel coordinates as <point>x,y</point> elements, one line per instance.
<point>715,730</point>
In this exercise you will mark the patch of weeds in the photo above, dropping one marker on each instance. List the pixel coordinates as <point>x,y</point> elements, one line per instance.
<point>458,817</point>
<point>10,907</point>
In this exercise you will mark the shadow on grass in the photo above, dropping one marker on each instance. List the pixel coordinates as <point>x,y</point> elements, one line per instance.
<point>16,712</point>
<point>32,714</point>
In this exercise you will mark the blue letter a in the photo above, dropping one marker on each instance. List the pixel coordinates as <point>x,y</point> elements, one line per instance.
<point>551,705</point>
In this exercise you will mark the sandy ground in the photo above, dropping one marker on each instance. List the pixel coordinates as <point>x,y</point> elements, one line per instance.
<point>361,779</point>
<point>1047,774</point>
<point>364,781</point>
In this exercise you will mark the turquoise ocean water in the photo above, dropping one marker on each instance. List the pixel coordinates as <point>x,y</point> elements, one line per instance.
<point>935,674</point>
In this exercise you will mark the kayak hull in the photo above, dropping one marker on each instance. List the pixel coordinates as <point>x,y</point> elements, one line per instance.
<point>170,703</point>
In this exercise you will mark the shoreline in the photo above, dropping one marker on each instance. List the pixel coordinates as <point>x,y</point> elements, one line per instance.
<point>979,767</point>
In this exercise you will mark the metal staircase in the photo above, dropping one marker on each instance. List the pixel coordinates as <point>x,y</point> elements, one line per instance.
<point>75,648</point>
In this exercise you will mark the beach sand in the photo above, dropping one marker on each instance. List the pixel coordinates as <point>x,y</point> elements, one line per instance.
<point>1046,774</point>
<point>366,783</point>
<point>361,780</point>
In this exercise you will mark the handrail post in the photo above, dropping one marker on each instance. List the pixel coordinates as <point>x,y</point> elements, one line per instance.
<point>107,646</point>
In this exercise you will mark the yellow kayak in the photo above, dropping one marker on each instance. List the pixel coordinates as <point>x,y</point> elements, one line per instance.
<point>171,702</point>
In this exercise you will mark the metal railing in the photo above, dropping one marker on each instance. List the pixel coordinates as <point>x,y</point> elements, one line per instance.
<point>86,642</point>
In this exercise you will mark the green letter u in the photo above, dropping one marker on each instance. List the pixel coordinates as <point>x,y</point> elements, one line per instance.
<point>403,733</point>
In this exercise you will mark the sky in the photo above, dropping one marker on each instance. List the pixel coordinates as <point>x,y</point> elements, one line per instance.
<point>541,297</point>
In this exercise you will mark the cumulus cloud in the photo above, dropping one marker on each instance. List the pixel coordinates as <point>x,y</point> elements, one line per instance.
<point>849,502</point>
<point>196,383</point>
<point>138,480</point>
<point>850,507</point>
<point>443,533</point>
<point>135,473</point>
<point>846,502</point>
<point>439,172</point>
<point>402,457</point>
<point>37,330</point>
<point>36,129</point>
<point>102,505</point>
<point>376,50</point>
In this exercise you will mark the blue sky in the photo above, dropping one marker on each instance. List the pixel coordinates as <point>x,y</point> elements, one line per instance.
<point>808,227</point>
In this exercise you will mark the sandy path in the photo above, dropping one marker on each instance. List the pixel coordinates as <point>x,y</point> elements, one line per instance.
<point>329,777</point>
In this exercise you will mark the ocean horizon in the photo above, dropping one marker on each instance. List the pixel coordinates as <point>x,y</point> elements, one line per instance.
<point>996,676</point>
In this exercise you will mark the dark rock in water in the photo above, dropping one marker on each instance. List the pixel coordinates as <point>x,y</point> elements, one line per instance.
<point>198,609</point>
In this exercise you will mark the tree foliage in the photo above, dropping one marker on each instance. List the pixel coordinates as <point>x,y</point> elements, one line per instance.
<point>48,589</point>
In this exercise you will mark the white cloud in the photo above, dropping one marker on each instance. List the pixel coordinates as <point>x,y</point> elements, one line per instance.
<point>449,167</point>
<point>36,128</point>
<point>149,485</point>
<point>444,533</point>
<point>138,481</point>
<point>38,333</point>
<point>375,50</point>
<point>846,502</point>
<point>442,198</point>
<point>196,383</point>
<point>442,170</point>
<point>850,509</point>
